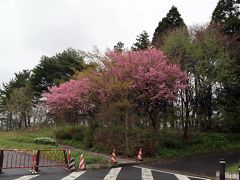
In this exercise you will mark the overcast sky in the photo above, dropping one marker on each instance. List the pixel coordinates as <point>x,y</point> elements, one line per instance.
<point>32,28</point>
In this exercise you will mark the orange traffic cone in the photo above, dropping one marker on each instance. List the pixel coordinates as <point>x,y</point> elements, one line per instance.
<point>139,157</point>
<point>82,164</point>
<point>71,162</point>
<point>114,158</point>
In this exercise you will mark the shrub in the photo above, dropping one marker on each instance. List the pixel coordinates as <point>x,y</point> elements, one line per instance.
<point>78,136</point>
<point>233,168</point>
<point>63,133</point>
<point>211,140</point>
<point>171,141</point>
<point>163,143</point>
<point>111,138</point>
<point>70,132</point>
<point>44,140</point>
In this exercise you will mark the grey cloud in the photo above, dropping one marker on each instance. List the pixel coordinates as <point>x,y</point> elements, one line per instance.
<point>32,28</point>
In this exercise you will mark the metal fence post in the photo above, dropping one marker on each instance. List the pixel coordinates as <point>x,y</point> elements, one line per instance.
<point>222,169</point>
<point>1,160</point>
<point>238,172</point>
<point>37,160</point>
<point>65,157</point>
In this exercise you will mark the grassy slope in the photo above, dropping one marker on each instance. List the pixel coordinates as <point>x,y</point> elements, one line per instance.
<point>24,140</point>
<point>169,144</point>
<point>200,143</point>
<point>172,146</point>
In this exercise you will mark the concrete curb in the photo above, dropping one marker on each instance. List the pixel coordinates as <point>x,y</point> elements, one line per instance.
<point>228,175</point>
<point>106,166</point>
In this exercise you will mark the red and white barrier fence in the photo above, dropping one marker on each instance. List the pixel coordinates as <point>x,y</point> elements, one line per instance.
<point>16,159</point>
<point>10,159</point>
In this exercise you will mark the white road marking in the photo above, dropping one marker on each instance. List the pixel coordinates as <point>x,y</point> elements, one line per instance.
<point>147,174</point>
<point>181,177</point>
<point>73,175</point>
<point>201,178</point>
<point>112,175</point>
<point>27,177</point>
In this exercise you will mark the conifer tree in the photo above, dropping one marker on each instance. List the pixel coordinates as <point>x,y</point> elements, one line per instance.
<point>227,13</point>
<point>142,42</point>
<point>119,47</point>
<point>170,22</point>
<point>226,17</point>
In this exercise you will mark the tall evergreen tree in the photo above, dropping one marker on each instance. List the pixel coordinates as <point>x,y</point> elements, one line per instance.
<point>142,42</point>
<point>170,22</point>
<point>226,19</point>
<point>56,69</point>
<point>119,47</point>
<point>21,79</point>
<point>21,82</point>
<point>227,13</point>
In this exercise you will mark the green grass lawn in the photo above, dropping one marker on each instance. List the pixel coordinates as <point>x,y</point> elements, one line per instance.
<point>25,140</point>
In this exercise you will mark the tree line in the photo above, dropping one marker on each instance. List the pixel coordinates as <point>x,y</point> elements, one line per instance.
<point>144,87</point>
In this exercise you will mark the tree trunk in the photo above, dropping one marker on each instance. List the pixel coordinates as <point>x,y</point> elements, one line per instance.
<point>172,119</point>
<point>126,133</point>
<point>187,111</point>
<point>29,119</point>
<point>153,117</point>
<point>24,118</point>
<point>209,103</point>
<point>9,121</point>
<point>19,122</point>
<point>182,110</point>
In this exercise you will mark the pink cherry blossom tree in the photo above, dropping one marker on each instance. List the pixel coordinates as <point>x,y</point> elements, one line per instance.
<point>144,78</point>
<point>152,78</point>
<point>71,97</point>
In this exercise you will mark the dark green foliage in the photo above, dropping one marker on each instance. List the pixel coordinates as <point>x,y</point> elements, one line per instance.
<point>119,47</point>
<point>167,144</point>
<point>142,42</point>
<point>78,136</point>
<point>171,21</point>
<point>230,101</point>
<point>210,140</point>
<point>209,67</point>
<point>70,132</point>
<point>21,79</point>
<point>227,13</point>
<point>63,134</point>
<point>171,141</point>
<point>177,147</point>
<point>144,138</point>
<point>111,138</point>
<point>53,70</point>
<point>227,17</point>
<point>16,97</point>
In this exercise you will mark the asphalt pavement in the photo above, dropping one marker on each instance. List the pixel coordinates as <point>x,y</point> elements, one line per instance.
<point>118,173</point>
<point>202,165</point>
<point>191,168</point>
